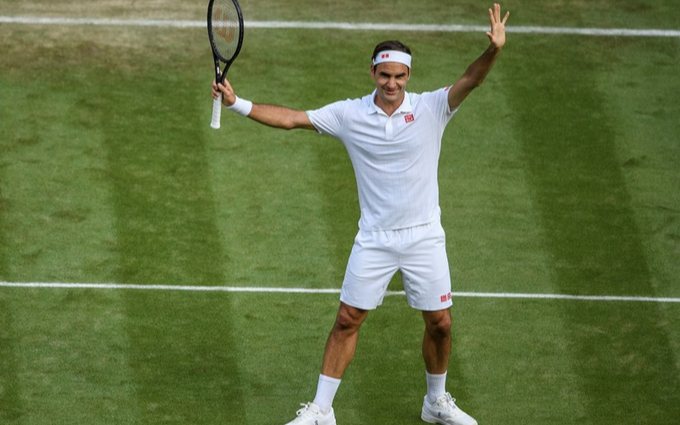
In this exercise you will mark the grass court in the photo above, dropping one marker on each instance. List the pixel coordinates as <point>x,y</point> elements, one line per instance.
<point>559,176</point>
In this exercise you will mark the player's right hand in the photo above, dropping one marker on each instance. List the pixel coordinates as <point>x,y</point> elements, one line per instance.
<point>224,88</point>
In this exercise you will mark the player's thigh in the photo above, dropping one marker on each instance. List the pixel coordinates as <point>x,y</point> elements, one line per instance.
<point>425,270</point>
<point>370,268</point>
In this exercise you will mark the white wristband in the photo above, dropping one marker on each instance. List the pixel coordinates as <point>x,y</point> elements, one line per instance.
<point>241,106</point>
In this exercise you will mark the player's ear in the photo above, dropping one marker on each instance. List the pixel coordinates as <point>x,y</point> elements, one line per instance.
<point>372,70</point>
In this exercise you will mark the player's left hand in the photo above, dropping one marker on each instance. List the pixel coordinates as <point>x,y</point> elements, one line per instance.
<point>497,33</point>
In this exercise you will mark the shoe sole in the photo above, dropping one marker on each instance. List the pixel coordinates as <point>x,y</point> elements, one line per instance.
<point>431,419</point>
<point>434,420</point>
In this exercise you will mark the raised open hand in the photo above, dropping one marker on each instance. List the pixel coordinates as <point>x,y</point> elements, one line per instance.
<point>497,33</point>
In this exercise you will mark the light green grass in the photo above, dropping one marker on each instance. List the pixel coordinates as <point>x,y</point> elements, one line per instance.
<point>564,13</point>
<point>559,175</point>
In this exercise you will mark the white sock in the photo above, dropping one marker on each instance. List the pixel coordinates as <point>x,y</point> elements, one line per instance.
<point>436,386</point>
<point>325,392</point>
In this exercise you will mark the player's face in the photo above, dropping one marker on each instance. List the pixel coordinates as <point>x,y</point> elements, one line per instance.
<point>390,81</point>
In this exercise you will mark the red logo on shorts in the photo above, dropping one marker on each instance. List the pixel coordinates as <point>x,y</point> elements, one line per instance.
<point>445,298</point>
<point>409,118</point>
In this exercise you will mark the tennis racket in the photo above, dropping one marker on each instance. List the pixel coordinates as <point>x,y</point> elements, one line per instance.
<point>225,30</point>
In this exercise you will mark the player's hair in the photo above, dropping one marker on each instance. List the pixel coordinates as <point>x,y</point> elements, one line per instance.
<point>390,45</point>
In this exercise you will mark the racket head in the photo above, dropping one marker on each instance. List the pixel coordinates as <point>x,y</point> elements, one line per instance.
<point>225,31</point>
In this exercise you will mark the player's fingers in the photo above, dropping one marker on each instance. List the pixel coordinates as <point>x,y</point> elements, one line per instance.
<point>505,18</point>
<point>226,84</point>
<point>225,89</point>
<point>228,95</point>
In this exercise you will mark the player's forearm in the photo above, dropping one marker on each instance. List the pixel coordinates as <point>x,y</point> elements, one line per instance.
<point>480,68</point>
<point>279,117</point>
<point>270,115</point>
<point>273,116</point>
<point>473,77</point>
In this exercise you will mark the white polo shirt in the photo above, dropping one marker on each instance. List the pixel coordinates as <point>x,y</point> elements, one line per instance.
<point>395,158</point>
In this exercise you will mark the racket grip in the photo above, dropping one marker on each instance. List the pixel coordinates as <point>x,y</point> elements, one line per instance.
<point>216,113</point>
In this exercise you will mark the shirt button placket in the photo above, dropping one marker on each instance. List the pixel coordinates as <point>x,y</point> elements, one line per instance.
<point>389,132</point>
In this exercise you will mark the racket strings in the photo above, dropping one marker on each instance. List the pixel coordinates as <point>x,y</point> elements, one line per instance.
<point>226,29</point>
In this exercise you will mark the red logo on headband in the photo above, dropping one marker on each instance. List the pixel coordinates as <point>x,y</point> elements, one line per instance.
<point>385,56</point>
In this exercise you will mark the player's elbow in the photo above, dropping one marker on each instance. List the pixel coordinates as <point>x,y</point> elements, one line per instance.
<point>283,124</point>
<point>474,81</point>
<point>296,119</point>
<point>288,124</point>
<point>474,78</point>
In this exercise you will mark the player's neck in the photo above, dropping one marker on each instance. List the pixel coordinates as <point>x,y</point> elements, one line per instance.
<point>388,106</point>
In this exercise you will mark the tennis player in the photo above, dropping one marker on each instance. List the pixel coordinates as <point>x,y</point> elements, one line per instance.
<point>393,138</point>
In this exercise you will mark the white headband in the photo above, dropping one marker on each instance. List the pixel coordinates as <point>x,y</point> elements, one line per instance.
<point>393,56</point>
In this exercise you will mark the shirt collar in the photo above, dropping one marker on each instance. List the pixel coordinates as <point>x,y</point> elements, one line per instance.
<point>404,108</point>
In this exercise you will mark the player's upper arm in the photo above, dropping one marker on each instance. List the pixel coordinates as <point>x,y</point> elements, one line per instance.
<point>460,90</point>
<point>301,120</point>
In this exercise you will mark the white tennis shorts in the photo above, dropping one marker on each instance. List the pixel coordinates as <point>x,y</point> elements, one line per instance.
<point>418,252</point>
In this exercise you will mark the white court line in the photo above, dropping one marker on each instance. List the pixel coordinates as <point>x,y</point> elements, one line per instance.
<point>34,20</point>
<point>326,291</point>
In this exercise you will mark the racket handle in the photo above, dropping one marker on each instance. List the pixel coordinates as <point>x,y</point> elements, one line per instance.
<point>217,113</point>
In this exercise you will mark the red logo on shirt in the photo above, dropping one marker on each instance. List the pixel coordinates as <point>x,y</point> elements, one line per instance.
<point>445,298</point>
<point>409,118</point>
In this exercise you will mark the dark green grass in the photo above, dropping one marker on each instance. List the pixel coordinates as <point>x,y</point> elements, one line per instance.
<point>559,175</point>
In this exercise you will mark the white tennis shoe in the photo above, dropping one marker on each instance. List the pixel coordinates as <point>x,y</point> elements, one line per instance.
<point>444,411</point>
<point>311,415</point>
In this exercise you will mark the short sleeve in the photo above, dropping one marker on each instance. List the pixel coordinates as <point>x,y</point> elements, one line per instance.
<point>328,119</point>
<point>438,103</point>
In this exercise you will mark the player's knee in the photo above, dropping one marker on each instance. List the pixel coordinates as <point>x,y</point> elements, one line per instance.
<point>439,324</point>
<point>349,319</point>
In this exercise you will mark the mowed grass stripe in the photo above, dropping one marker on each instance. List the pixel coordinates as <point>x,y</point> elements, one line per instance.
<point>589,227</point>
<point>10,403</point>
<point>648,150</point>
<point>58,222</point>
<point>71,359</point>
<point>166,231</point>
<point>11,406</point>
